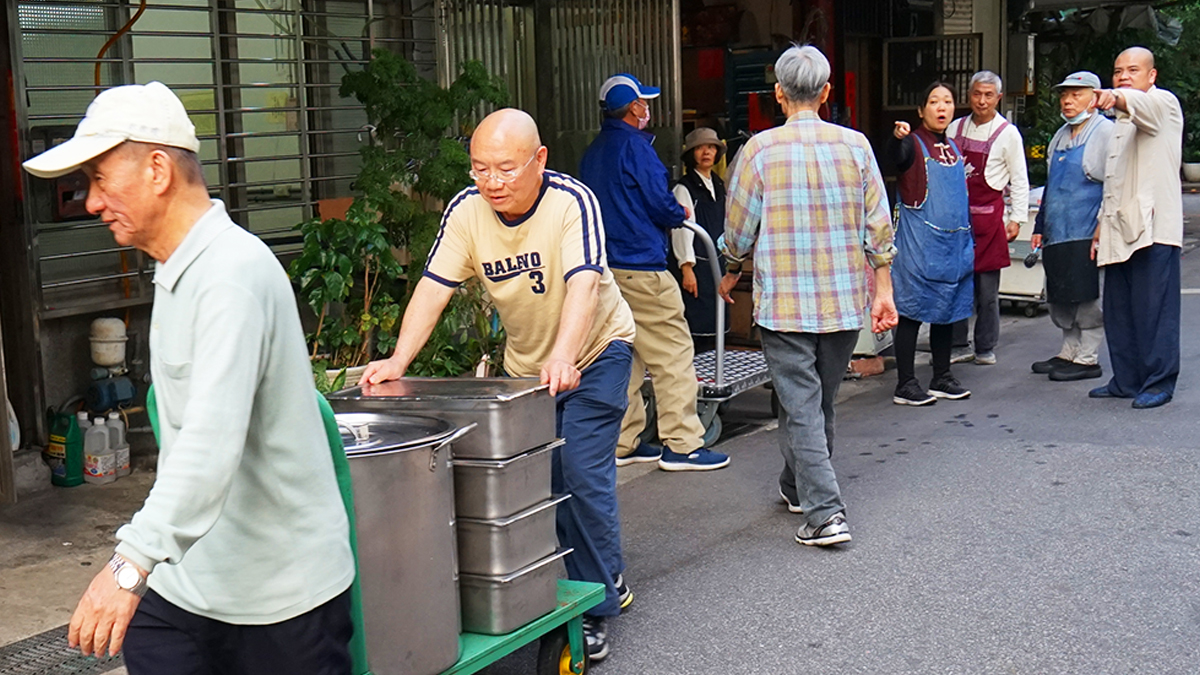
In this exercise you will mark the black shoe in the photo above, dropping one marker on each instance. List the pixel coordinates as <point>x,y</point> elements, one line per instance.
<point>624,595</point>
<point>911,393</point>
<point>1076,371</point>
<point>1050,365</point>
<point>947,386</point>
<point>596,638</point>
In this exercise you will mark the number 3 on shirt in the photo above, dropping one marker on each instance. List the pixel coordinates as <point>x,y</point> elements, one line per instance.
<point>537,287</point>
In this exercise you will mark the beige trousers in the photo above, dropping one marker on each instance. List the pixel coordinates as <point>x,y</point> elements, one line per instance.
<point>662,346</point>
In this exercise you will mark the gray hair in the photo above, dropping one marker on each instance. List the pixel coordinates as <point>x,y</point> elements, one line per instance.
<point>986,77</point>
<point>802,72</point>
<point>619,113</point>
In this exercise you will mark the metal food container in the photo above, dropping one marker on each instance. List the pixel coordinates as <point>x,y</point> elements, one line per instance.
<point>407,548</point>
<point>498,488</point>
<point>505,545</point>
<point>513,414</point>
<point>496,605</point>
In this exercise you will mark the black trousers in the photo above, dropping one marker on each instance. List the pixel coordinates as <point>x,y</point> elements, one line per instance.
<point>1142,321</point>
<point>940,335</point>
<point>165,640</point>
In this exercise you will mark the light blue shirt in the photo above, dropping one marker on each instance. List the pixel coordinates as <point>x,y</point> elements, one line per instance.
<point>245,510</point>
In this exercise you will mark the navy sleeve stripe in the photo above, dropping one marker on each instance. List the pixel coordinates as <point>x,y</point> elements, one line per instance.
<point>441,280</point>
<point>458,199</point>
<point>593,243</point>
<point>597,220</point>
<point>583,268</point>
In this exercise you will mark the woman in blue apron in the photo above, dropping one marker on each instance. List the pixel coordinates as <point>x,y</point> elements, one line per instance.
<point>1065,224</point>
<point>935,259</point>
<point>702,193</point>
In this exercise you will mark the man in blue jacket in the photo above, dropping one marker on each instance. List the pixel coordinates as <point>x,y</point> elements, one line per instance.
<point>638,210</point>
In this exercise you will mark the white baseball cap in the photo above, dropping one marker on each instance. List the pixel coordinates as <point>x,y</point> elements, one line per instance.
<point>149,113</point>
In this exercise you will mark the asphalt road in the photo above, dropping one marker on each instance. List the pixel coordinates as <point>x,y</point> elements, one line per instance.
<point>1026,530</point>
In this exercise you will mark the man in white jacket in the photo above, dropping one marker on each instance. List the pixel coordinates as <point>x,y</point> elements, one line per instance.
<point>1140,235</point>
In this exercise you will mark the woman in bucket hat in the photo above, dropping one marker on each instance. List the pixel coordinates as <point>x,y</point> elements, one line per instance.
<point>702,192</point>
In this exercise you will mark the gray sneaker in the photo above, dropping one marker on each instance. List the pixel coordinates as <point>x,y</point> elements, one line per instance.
<point>961,355</point>
<point>832,531</point>
<point>985,359</point>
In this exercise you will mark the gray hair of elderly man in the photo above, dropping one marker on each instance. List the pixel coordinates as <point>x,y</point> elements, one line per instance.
<point>802,72</point>
<point>986,77</point>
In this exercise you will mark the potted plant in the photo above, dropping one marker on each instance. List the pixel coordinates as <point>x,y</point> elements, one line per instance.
<point>356,273</point>
<point>1191,146</point>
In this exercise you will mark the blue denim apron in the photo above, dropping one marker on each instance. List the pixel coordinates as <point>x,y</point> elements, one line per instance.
<point>1072,204</point>
<point>933,273</point>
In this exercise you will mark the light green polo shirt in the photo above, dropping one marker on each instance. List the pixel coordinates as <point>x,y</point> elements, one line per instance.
<point>244,523</point>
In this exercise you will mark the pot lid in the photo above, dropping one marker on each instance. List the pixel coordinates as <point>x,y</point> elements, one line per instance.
<point>432,388</point>
<point>367,433</point>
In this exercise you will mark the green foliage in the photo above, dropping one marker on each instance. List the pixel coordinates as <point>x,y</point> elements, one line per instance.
<point>1178,71</point>
<point>467,333</point>
<point>414,160</point>
<point>326,384</point>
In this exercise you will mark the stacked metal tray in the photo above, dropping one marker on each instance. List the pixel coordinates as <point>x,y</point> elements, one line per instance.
<point>504,509</point>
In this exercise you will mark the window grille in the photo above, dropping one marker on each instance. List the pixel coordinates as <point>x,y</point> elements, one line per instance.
<point>910,64</point>
<point>259,79</point>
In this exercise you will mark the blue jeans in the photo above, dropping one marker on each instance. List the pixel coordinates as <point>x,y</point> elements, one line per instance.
<point>807,369</point>
<point>589,418</point>
<point>1141,321</point>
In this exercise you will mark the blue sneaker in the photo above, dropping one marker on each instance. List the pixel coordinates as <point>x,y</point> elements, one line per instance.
<point>644,452</point>
<point>1101,392</point>
<point>1151,399</point>
<point>701,459</point>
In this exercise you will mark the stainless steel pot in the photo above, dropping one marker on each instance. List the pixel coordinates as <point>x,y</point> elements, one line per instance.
<point>513,414</point>
<point>505,545</point>
<point>495,605</point>
<point>407,549</point>
<point>490,489</point>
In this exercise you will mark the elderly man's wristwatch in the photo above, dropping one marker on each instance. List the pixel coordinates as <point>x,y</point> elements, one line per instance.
<point>128,577</point>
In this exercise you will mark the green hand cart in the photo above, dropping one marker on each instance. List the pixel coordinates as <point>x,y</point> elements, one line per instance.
<point>562,650</point>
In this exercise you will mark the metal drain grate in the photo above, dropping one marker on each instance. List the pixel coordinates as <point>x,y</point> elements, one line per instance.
<point>47,654</point>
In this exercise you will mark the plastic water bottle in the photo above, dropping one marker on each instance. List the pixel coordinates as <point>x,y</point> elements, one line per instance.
<point>99,460</point>
<point>84,422</point>
<point>118,442</point>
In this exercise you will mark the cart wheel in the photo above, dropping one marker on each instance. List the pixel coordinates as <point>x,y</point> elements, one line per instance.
<point>710,417</point>
<point>1031,310</point>
<point>554,654</point>
<point>650,433</point>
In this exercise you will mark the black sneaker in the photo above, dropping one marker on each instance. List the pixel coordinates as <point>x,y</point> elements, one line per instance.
<point>911,393</point>
<point>624,595</point>
<point>597,639</point>
<point>1076,371</point>
<point>948,386</point>
<point>1049,365</point>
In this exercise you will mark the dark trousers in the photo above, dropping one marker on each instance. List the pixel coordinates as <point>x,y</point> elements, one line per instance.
<point>589,418</point>
<point>987,314</point>
<point>1141,321</point>
<point>807,369</point>
<point>163,638</point>
<point>905,344</point>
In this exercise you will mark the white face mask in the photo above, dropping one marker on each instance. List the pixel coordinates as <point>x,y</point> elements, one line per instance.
<point>1078,119</point>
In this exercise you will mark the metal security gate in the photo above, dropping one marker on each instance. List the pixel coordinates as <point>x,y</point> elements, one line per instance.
<point>555,54</point>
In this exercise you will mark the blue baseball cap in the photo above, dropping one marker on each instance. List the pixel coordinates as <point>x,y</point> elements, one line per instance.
<point>1082,79</point>
<point>622,89</point>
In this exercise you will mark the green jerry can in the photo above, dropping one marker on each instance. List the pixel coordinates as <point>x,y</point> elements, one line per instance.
<point>64,453</point>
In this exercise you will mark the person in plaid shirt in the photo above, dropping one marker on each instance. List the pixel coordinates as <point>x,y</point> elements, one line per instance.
<point>808,198</point>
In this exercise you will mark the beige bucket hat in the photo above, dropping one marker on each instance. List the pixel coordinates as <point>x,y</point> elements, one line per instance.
<point>703,136</point>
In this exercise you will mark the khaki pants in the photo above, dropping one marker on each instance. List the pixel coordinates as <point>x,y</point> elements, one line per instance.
<point>662,346</point>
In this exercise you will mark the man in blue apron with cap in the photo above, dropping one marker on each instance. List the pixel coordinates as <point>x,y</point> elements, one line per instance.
<point>1065,226</point>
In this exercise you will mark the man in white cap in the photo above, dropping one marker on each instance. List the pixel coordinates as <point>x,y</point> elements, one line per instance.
<point>639,210</point>
<point>239,560</point>
<point>1140,236</point>
<point>1066,223</point>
